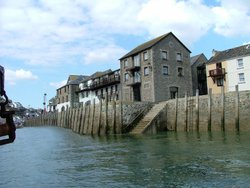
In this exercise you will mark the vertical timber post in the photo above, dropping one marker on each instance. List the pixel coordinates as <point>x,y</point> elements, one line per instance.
<point>209,104</point>
<point>100,117</point>
<point>237,123</point>
<point>93,118</point>
<point>106,115</point>
<point>197,110</point>
<point>176,112</point>
<point>186,112</point>
<point>222,109</point>
<point>114,116</point>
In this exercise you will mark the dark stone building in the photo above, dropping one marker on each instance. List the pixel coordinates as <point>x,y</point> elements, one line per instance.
<point>156,70</point>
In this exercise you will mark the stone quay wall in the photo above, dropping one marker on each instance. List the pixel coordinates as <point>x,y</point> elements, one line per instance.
<point>226,112</point>
<point>97,119</point>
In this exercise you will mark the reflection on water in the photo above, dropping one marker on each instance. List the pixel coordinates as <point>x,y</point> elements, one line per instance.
<point>56,157</point>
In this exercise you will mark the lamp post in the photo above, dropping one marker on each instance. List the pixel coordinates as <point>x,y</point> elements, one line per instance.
<point>44,103</point>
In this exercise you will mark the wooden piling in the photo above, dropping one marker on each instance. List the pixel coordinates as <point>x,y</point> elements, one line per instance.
<point>209,104</point>
<point>100,117</point>
<point>93,117</point>
<point>222,109</point>
<point>106,129</point>
<point>186,112</point>
<point>176,112</point>
<point>197,110</point>
<point>237,123</point>
<point>114,116</point>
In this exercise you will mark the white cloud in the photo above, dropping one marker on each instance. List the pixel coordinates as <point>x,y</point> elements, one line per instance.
<point>12,76</point>
<point>58,84</point>
<point>231,18</point>
<point>50,33</point>
<point>188,19</point>
<point>104,54</point>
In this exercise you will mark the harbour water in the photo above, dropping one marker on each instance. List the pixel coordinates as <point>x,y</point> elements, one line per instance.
<point>56,157</point>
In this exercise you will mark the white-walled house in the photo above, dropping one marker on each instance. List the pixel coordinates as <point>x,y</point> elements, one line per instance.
<point>239,73</point>
<point>100,85</point>
<point>229,68</point>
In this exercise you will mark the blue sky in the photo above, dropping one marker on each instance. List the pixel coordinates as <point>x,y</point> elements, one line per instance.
<point>42,42</point>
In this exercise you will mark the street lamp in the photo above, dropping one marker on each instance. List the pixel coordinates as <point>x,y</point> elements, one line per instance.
<point>44,103</point>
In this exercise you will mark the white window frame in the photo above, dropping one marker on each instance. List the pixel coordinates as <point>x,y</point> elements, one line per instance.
<point>164,54</point>
<point>145,55</point>
<point>146,71</point>
<point>165,67</point>
<point>240,64</point>
<point>241,78</point>
<point>136,60</point>
<point>126,77</point>
<point>178,56</point>
<point>125,63</point>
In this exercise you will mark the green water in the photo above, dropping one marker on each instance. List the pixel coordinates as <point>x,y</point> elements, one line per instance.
<point>57,157</point>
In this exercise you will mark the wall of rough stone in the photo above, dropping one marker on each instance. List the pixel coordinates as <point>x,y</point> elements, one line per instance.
<point>187,119</point>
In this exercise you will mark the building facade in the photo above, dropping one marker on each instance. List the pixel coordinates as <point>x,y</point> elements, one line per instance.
<point>157,70</point>
<point>229,68</point>
<point>66,95</point>
<point>99,86</point>
<point>199,75</point>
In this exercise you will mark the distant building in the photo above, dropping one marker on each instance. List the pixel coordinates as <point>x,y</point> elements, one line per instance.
<point>229,68</point>
<point>100,85</point>
<point>156,70</point>
<point>66,95</point>
<point>51,107</point>
<point>199,76</point>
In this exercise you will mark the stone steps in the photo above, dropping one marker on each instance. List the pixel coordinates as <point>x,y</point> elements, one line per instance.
<point>148,118</point>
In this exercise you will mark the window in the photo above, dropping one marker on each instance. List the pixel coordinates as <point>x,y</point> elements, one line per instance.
<point>67,98</point>
<point>125,63</point>
<point>164,55</point>
<point>180,71</point>
<point>145,55</point>
<point>137,77</point>
<point>146,71</point>
<point>136,60</point>
<point>220,82</point>
<point>240,63</point>
<point>165,70</point>
<point>241,78</point>
<point>178,56</point>
<point>126,77</point>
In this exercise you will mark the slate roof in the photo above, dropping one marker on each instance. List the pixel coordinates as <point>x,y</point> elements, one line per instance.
<point>149,44</point>
<point>230,53</point>
<point>195,58</point>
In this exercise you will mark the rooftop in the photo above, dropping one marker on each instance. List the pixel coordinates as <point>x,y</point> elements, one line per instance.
<point>230,53</point>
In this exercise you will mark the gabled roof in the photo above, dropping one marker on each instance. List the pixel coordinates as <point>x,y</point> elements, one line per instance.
<point>75,79</point>
<point>194,59</point>
<point>149,44</point>
<point>230,53</point>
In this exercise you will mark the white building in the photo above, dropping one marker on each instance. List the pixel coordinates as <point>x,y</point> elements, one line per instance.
<point>100,85</point>
<point>229,68</point>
